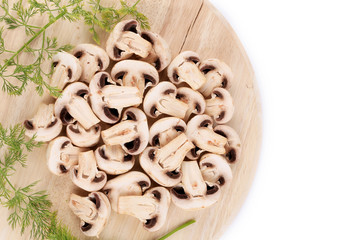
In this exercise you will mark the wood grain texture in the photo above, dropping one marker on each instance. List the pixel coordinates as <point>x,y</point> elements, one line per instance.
<point>187,25</point>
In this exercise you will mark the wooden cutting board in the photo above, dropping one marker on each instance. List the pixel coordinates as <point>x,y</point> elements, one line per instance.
<point>186,25</point>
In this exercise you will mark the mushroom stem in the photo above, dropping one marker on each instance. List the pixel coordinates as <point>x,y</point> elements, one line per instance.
<point>121,97</point>
<point>190,73</point>
<point>172,107</point>
<point>215,106</point>
<point>192,179</point>
<point>210,141</point>
<point>44,116</point>
<point>80,110</point>
<point>132,42</point>
<point>87,165</point>
<point>70,156</point>
<point>57,79</point>
<point>83,208</point>
<point>141,207</point>
<point>120,134</point>
<point>172,154</point>
<point>212,82</point>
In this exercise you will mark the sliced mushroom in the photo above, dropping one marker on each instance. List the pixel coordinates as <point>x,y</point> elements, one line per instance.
<point>73,106</point>
<point>166,129</point>
<point>215,169</point>
<point>82,137</point>
<point>67,69</point>
<point>44,124</point>
<point>129,184</point>
<point>233,146</point>
<point>160,55</point>
<point>133,73</point>
<point>92,59</point>
<point>93,210</point>
<point>161,99</point>
<point>151,208</point>
<point>163,164</point>
<point>85,175</point>
<point>124,41</point>
<point>108,99</point>
<point>132,133</point>
<point>194,100</point>
<point>193,193</point>
<point>184,68</point>
<point>61,155</point>
<point>220,106</point>
<point>200,132</point>
<point>113,160</point>
<point>217,73</point>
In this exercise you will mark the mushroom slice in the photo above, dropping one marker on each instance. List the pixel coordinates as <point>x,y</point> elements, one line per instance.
<point>108,99</point>
<point>44,124</point>
<point>233,146</point>
<point>217,73</point>
<point>132,133</point>
<point>193,99</point>
<point>92,59</point>
<point>184,68</point>
<point>193,193</point>
<point>113,160</point>
<point>161,99</point>
<point>129,184</point>
<point>133,73</point>
<point>200,132</point>
<point>124,41</point>
<point>82,137</point>
<point>61,155</point>
<point>166,129</point>
<point>220,106</point>
<point>85,175</point>
<point>151,208</point>
<point>215,169</point>
<point>163,164</point>
<point>160,55</point>
<point>67,69</point>
<point>93,210</point>
<point>73,106</point>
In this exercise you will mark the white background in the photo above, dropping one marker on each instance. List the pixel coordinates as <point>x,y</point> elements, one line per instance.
<point>306,57</point>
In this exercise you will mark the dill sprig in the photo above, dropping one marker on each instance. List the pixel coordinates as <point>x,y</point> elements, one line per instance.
<point>184,225</point>
<point>19,16</point>
<point>29,208</point>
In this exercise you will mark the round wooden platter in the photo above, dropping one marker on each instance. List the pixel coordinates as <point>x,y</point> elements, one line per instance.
<point>186,25</point>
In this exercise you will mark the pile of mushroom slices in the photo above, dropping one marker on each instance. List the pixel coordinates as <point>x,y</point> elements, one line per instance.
<point>106,112</point>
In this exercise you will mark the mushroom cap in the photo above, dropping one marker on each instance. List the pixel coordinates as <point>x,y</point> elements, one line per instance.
<point>166,129</point>
<point>135,73</point>
<point>44,124</point>
<point>125,41</point>
<point>160,56</point>
<point>200,132</point>
<point>61,155</point>
<point>193,99</point>
<point>133,183</point>
<point>217,73</point>
<point>93,210</point>
<point>85,175</point>
<point>193,193</point>
<point>132,132</point>
<point>73,106</point>
<point>92,59</point>
<point>220,106</point>
<point>113,160</point>
<point>67,69</point>
<point>161,99</point>
<point>233,146</point>
<point>184,68</point>
<point>82,137</point>
<point>215,169</point>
